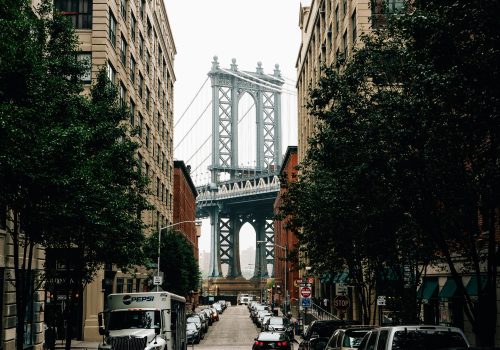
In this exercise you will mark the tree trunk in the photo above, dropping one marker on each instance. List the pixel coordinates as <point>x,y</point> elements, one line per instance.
<point>19,284</point>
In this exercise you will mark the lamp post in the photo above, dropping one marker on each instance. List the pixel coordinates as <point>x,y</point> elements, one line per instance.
<point>285,248</point>
<point>196,222</point>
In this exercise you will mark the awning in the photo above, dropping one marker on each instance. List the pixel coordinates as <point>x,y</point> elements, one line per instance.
<point>449,289</point>
<point>341,277</point>
<point>427,289</point>
<point>472,285</point>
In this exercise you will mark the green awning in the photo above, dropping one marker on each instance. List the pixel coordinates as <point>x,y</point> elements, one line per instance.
<point>427,289</point>
<point>340,277</point>
<point>472,285</point>
<point>326,278</point>
<point>449,289</point>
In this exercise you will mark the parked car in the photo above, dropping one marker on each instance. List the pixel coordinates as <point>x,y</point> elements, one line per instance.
<point>218,307</point>
<point>426,337</point>
<point>197,321</point>
<point>256,309</point>
<point>215,314</point>
<point>193,334</point>
<point>260,317</point>
<point>347,338</point>
<point>272,340</point>
<point>318,343</point>
<point>209,313</point>
<point>279,324</point>
<point>204,320</point>
<point>322,329</point>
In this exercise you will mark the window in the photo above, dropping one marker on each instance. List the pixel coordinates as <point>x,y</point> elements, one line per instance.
<point>147,136</point>
<point>111,72</point>
<point>139,85</point>
<point>150,30</point>
<point>138,285</point>
<point>79,11</point>
<point>337,20</point>
<point>122,94</point>
<point>162,192</point>
<point>130,283</point>
<point>119,285</point>
<point>123,51</point>
<point>123,8</point>
<point>163,129</point>
<point>142,8</point>
<point>162,161</point>
<point>158,187</point>
<point>139,161</point>
<point>158,154</point>
<point>147,169</point>
<point>148,96</point>
<point>132,113</point>
<point>133,23</point>
<point>132,70</point>
<point>344,41</point>
<point>395,5</point>
<point>86,59</point>
<point>141,45</point>
<point>148,59</point>
<point>344,5</point>
<point>141,119</point>
<point>112,28</point>
<point>354,29</point>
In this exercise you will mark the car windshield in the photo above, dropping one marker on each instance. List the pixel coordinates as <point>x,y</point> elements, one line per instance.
<point>191,327</point>
<point>193,319</point>
<point>422,340</point>
<point>322,329</point>
<point>353,338</point>
<point>133,319</point>
<point>279,321</point>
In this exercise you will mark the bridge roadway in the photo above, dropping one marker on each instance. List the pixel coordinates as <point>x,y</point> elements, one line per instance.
<point>234,331</point>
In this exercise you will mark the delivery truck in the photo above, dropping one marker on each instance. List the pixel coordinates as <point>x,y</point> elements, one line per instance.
<point>143,321</point>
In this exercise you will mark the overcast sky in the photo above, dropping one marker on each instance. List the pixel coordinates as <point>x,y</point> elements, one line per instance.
<point>247,30</point>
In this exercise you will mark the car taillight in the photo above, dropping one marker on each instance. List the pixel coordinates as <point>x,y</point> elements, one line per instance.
<point>261,343</point>
<point>282,343</point>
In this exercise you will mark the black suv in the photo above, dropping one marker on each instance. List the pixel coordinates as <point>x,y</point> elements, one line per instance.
<point>322,329</point>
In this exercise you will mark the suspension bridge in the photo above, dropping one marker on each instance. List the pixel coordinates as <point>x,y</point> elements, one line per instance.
<point>230,135</point>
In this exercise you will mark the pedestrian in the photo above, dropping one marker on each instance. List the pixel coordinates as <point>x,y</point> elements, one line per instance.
<point>50,338</point>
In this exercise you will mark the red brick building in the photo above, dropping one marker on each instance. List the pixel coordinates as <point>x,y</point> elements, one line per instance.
<point>284,237</point>
<point>185,204</point>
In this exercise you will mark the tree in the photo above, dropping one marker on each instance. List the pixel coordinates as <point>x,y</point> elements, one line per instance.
<point>407,152</point>
<point>177,261</point>
<point>68,173</point>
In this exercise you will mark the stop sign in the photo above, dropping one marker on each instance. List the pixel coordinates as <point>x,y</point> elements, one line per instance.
<point>305,292</point>
<point>341,302</point>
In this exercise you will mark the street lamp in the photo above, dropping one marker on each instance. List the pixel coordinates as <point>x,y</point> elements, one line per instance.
<point>285,248</point>
<point>196,222</point>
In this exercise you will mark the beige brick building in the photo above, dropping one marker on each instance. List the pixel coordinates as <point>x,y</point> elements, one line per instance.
<point>132,39</point>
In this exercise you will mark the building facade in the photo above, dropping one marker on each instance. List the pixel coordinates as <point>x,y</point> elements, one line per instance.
<point>134,42</point>
<point>284,237</point>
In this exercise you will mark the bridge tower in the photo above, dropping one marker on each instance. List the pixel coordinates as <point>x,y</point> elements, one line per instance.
<point>249,193</point>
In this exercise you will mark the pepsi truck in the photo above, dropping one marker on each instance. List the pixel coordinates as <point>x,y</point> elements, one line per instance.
<point>143,321</point>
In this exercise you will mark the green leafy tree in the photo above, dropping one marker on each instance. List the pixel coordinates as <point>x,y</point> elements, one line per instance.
<point>68,173</point>
<point>406,153</point>
<point>177,262</point>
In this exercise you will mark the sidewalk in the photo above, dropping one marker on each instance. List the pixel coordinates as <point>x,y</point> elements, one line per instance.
<point>78,345</point>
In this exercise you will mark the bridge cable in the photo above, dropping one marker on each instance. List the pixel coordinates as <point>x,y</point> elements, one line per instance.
<point>261,80</point>
<point>192,126</point>
<point>202,162</point>
<point>177,122</point>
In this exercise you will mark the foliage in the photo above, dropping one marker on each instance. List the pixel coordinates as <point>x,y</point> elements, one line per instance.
<point>407,153</point>
<point>67,169</point>
<point>177,261</point>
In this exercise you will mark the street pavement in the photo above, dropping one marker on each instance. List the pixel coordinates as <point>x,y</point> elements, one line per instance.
<point>234,331</point>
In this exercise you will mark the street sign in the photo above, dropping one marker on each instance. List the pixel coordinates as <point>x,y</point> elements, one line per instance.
<point>157,280</point>
<point>341,302</point>
<point>306,284</point>
<point>306,302</point>
<point>341,289</point>
<point>297,282</point>
<point>381,300</point>
<point>310,279</point>
<point>305,292</point>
